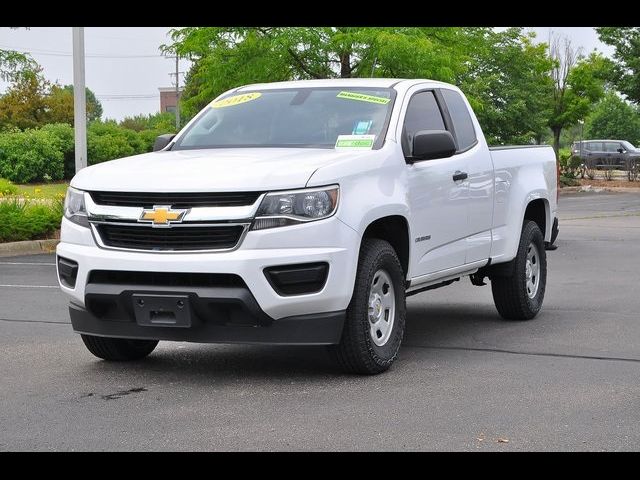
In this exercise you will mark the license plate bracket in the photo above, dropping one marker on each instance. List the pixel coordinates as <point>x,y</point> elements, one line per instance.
<point>152,310</point>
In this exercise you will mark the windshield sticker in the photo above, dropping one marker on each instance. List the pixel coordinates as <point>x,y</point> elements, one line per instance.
<point>363,97</point>
<point>355,141</point>
<point>235,100</point>
<point>362,128</point>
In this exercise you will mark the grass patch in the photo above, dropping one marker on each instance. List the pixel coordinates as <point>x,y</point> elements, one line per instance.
<point>43,190</point>
<point>22,220</point>
<point>7,188</point>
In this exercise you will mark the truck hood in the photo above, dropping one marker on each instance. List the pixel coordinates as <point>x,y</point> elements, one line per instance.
<point>238,169</point>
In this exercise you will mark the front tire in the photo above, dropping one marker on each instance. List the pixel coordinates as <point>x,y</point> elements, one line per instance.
<point>374,326</point>
<point>118,349</point>
<point>519,295</point>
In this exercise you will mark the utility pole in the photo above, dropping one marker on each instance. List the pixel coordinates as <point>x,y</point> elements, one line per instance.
<point>177,74</point>
<point>177,93</point>
<point>79,99</point>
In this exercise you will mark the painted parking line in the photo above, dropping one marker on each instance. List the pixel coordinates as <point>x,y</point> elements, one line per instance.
<point>28,263</point>
<point>29,286</point>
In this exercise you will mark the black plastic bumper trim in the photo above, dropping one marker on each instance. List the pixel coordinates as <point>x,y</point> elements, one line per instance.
<point>67,271</point>
<point>314,329</point>
<point>297,279</point>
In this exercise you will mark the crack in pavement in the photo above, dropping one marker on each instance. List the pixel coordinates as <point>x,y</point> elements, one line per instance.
<point>533,354</point>
<point>122,393</point>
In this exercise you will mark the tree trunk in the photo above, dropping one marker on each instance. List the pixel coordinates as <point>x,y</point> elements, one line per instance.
<point>345,65</point>
<point>556,140</point>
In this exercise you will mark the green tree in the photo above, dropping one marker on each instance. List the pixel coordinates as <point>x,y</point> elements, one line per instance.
<point>625,72</point>
<point>32,101</point>
<point>504,74</point>
<point>24,104</point>
<point>614,118</point>
<point>578,83</point>
<point>60,104</point>
<point>509,86</point>
<point>227,57</point>
<point>13,63</point>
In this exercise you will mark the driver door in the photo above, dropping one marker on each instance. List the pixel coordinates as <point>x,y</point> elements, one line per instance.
<point>438,203</point>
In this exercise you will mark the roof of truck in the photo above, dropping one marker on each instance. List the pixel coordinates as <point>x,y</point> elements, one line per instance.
<point>337,82</point>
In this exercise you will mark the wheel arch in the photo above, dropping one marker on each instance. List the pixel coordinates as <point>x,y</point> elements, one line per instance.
<point>395,230</point>
<point>538,210</point>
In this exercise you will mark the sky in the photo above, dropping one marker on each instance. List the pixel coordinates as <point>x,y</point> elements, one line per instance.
<point>124,66</point>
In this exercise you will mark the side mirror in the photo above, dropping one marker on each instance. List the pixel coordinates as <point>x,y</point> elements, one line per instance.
<point>430,144</point>
<point>162,141</point>
<point>621,150</point>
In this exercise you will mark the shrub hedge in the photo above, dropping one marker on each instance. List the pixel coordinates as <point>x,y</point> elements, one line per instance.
<point>48,153</point>
<point>31,155</point>
<point>23,220</point>
<point>65,136</point>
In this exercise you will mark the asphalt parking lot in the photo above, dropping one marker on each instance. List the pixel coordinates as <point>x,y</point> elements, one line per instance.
<point>465,379</point>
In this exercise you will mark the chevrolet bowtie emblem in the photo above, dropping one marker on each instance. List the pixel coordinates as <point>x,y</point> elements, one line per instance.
<point>162,215</point>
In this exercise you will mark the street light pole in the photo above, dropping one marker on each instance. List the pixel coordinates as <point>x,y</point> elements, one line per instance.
<point>79,99</point>
<point>582,160</point>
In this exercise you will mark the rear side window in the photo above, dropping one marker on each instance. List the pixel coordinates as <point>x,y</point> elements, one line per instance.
<point>462,123</point>
<point>612,147</point>
<point>423,113</point>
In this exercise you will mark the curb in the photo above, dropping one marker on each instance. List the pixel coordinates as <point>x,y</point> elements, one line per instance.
<point>28,247</point>
<point>581,189</point>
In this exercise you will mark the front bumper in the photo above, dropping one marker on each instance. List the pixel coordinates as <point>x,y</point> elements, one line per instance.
<point>313,329</point>
<point>329,241</point>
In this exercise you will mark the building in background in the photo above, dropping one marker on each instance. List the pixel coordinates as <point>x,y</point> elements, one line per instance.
<point>168,99</point>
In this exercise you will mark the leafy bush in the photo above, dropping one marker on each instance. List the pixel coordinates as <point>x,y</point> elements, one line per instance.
<point>149,138</point>
<point>150,126</point>
<point>7,188</point>
<point>32,155</point>
<point>160,121</point>
<point>569,164</point>
<point>66,141</point>
<point>28,221</point>
<point>568,182</point>
<point>48,153</point>
<point>107,140</point>
<point>101,148</point>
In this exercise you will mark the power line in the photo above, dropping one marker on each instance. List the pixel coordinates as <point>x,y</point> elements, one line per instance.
<point>56,53</point>
<point>118,99</point>
<point>129,95</point>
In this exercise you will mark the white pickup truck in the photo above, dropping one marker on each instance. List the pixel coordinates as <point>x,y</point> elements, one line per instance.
<point>305,213</point>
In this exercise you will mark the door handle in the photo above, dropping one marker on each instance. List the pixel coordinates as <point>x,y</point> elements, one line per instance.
<point>459,175</point>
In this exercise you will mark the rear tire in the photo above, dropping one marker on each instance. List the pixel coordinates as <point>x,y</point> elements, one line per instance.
<point>519,295</point>
<point>118,349</point>
<point>375,321</point>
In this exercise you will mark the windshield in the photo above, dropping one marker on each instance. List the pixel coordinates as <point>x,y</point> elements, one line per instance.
<point>628,145</point>
<point>301,117</point>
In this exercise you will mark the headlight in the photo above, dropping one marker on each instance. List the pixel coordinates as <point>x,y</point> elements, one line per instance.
<point>280,209</point>
<point>74,207</point>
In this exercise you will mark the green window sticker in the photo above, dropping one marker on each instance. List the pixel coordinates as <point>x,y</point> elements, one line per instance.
<point>355,141</point>
<point>363,97</point>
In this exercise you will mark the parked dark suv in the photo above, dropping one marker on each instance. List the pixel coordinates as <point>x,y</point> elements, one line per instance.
<point>606,153</point>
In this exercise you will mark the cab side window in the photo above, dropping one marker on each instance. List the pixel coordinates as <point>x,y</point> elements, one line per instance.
<point>462,123</point>
<point>423,113</point>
